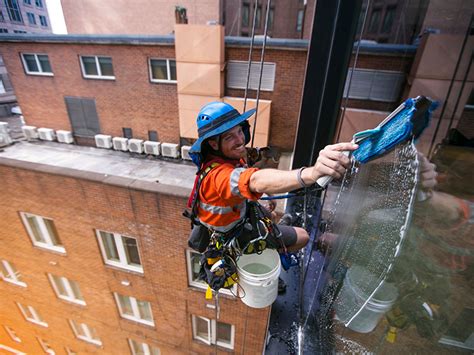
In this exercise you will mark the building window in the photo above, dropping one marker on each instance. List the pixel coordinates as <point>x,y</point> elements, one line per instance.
<point>119,250</point>
<point>162,70</point>
<point>193,267</point>
<point>19,31</point>
<point>31,18</point>
<point>2,86</point>
<point>70,352</point>
<point>211,332</point>
<point>39,3</point>
<point>84,332</point>
<point>66,289</point>
<point>3,30</point>
<point>36,64</point>
<point>374,21</point>
<point>258,17</point>
<point>42,232</point>
<point>97,67</point>
<point>12,334</point>
<point>245,15</point>
<point>10,274</point>
<point>43,21</point>
<point>2,18</point>
<point>32,315</point>
<point>299,21</point>
<point>270,18</point>
<point>142,348</point>
<point>388,19</point>
<point>13,10</point>
<point>27,2</point>
<point>45,346</point>
<point>237,75</point>
<point>133,309</point>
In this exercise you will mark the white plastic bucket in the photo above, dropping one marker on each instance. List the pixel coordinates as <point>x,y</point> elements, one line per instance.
<point>351,298</point>
<point>258,277</point>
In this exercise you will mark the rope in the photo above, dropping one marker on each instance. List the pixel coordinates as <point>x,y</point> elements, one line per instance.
<point>250,54</point>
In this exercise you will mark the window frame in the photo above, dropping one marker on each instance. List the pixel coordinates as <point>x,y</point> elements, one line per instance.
<point>36,319</point>
<point>45,346</point>
<point>212,332</point>
<point>12,275</point>
<point>17,10</point>
<point>168,71</point>
<point>12,334</point>
<point>201,284</point>
<point>41,72</point>
<point>122,263</point>
<point>135,309</point>
<point>31,18</point>
<point>85,328</point>
<point>39,4</point>
<point>66,283</point>
<point>27,2</point>
<point>146,348</point>
<point>99,76</point>
<point>43,20</point>
<point>44,231</point>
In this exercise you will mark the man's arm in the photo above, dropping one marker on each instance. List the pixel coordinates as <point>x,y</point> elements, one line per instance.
<point>331,161</point>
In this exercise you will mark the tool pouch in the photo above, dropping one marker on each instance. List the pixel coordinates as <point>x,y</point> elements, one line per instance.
<point>199,238</point>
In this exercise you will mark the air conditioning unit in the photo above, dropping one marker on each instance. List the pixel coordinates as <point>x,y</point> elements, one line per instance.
<point>5,139</point>
<point>46,134</point>
<point>30,132</point>
<point>120,143</point>
<point>3,127</point>
<point>135,145</point>
<point>152,147</point>
<point>103,141</point>
<point>170,150</point>
<point>65,137</point>
<point>185,152</point>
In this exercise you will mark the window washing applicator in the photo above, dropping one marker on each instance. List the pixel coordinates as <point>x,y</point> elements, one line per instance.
<point>406,122</point>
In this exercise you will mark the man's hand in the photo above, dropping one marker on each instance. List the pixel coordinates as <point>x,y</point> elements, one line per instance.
<point>428,173</point>
<point>332,161</point>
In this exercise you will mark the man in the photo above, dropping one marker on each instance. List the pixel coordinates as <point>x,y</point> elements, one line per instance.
<point>229,183</point>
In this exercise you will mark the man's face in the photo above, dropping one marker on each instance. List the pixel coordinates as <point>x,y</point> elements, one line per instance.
<point>232,143</point>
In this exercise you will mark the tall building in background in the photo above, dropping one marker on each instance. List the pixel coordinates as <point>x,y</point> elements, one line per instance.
<point>24,16</point>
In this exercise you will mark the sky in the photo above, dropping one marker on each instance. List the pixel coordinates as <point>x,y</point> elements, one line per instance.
<point>56,16</point>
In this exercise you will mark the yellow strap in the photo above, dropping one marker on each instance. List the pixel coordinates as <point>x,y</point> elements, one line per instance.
<point>209,293</point>
<point>391,335</point>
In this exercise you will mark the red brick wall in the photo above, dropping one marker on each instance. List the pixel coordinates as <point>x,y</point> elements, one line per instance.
<point>128,101</point>
<point>77,208</point>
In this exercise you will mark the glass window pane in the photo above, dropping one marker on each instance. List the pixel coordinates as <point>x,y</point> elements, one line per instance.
<point>78,328</point>
<point>58,282</point>
<point>53,234</point>
<point>202,329</point>
<point>89,64</point>
<point>34,226</point>
<point>258,17</point>
<point>245,15</point>
<point>131,249</point>
<point>155,351</point>
<point>31,63</point>
<point>93,332</point>
<point>106,67</point>
<point>195,266</point>
<point>125,305</point>
<point>145,310</point>
<point>172,69</point>
<point>44,62</point>
<point>4,271</point>
<point>374,21</point>
<point>137,348</point>
<point>75,289</point>
<point>108,242</point>
<point>224,332</point>
<point>158,69</point>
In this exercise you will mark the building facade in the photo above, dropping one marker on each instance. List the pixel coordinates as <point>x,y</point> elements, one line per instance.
<point>24,16</point>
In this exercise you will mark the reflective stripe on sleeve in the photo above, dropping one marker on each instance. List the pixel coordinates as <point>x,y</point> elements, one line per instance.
<point>234,181</point>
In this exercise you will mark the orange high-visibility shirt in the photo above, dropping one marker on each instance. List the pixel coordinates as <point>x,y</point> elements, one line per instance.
<point>223,195</point>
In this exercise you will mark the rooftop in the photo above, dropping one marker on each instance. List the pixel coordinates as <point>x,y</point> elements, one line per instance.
<point>102,165</point>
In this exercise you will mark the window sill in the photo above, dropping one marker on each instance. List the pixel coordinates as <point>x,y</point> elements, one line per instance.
<point>17,283</point>
<point>139,321</point>
<point>39,74</point>
<point>97,77</point>
<point>43,324</point>
<point>129,269</point>
<point>223,292</point>
<point>155,81</point>
<point>57,250</point>
<point>221,347</point>
<point>72,301</point>
<point>90,341</point>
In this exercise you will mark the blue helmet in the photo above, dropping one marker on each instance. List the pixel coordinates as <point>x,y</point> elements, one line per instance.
<point>214,119</point>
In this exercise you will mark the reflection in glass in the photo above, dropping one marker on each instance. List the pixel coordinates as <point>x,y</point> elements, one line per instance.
<point>35,229</point>
<point>224,332</point>
<point>53,234</point>
<point>158,69</point>
<point>131,250</point>
<point>125,305</point>
<point>44,62</point>
<point>106,68</point>
<point>90,67</point>
<point>145,310</point>
<point>109,246</point>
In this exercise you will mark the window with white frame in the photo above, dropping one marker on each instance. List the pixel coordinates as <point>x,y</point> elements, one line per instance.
<point>133,309</point>
<point>236,77</point>
<point>36,64</point>
<point>31,18</point>
<point>139,348</point>
<point>120,251</point>
<point>66,289</point>
<point>13,9</point>
<point>10,274</point>
<point>162,70</point>
<point>12,334</point>
<point>84,332</point>
<point>211,332</point>
<point>42,232</point>
<point>45,346</point>
<point>70,352</point>
<point>193,266</point>
<point>32,315</point>
<point>97,67</point>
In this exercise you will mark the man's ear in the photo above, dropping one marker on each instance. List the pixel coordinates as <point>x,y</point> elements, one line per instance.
<point>214,144</point>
